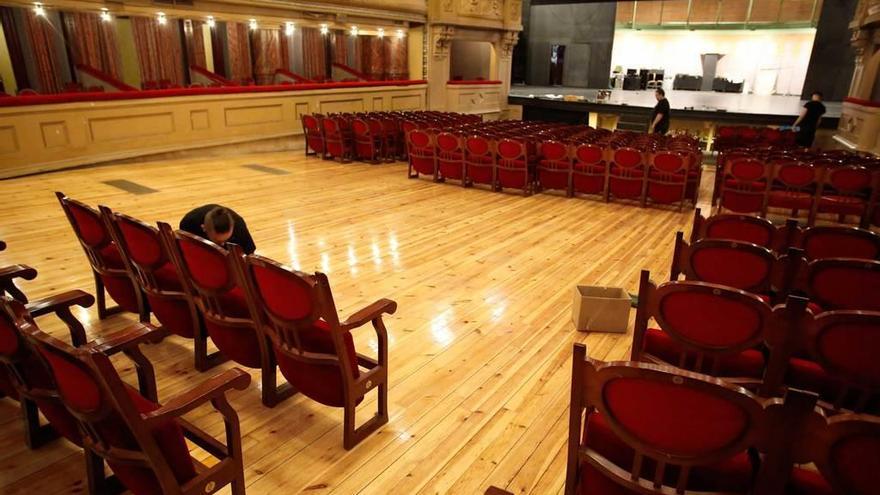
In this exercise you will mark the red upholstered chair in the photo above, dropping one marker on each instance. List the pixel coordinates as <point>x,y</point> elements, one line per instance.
<point>744,228</point>
<point>740,265</point>
<point>844,450</point>
<point>626,176</point>
<point>422,154</point>
<point>743,186</point>
<point>840,283</point>
<point>393,139</point>
<point>210,277</point>
<point>589,173</point>
<point>8,276</point>
<point>143,441</point>
<point>707,328</point>
<point>314,133</point>
<point>367,144</point>
<point>22,375</point>
<point>638,428</point>
<point>142,246</point>
<point>108,266</point>
<point>839,242</point>
<point>314,350</point>
<point>667,178</point>
<point>338,139</point>
<point>793,187</point>
<point>450,157</point>
<point>480,161</point>
<point>846,191</point>
<point>554,168</point>
<point>512,166</point>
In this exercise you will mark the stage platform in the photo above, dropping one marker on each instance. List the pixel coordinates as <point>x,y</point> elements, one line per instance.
<point>546,103</point>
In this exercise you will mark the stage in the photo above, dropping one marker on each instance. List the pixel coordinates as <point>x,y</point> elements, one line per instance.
<point>547,103</point>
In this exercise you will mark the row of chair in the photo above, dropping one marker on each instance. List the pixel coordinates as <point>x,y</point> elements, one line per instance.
<point>624,173</point>
<point>748,185</point>
<point>729,137</point>
<point>256,312</point>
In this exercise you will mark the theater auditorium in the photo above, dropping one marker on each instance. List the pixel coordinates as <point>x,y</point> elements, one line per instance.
<point>440,247</point>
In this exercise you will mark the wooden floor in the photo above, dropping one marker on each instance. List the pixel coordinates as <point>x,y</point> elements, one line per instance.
<point>480,347</point>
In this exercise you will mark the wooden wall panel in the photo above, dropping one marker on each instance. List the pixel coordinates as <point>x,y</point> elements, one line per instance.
<point>674,11</point>
<point>765,10</point>
<point>648,12</point>
<point>796,11</point>
<point>704,11</point>
<point>40,138</point>
<point>734,11</point>
<point>624,12</point>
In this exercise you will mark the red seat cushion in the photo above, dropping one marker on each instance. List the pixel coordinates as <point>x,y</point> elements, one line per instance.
<point>756,186</point>
<point>733,474</point>
<point>120,287</point>
<point>790,199</point>
<point>846,205</point>
<point>749,363</point>
<point>322,383</point>
<point>239,344</point>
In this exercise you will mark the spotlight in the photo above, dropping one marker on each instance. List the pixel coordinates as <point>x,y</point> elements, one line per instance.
<point>105,15</point>
<point>400,34</point>
<point>39,10</point>
<point>354,30</point>
<point>288,28</point>
<point>324,29</point>
<point>380,33</point>
<point>211,22</point>
<point>161,19</point>
<point>253,24</point>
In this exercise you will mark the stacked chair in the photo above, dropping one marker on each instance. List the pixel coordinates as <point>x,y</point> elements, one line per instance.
<point>541,156</point>
<point>761,181</point>
<point>729,137</point>
<point>760,360</point>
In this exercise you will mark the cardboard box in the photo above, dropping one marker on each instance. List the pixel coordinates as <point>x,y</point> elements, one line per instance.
<point>600,309</point>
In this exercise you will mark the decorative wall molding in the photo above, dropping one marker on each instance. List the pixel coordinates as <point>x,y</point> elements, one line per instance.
<point>441,38</point>
<point>508,41</point>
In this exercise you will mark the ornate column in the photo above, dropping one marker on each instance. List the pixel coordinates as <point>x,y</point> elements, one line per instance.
<point>504,49</point>
<point>440,37</point>
<point>860,118</point>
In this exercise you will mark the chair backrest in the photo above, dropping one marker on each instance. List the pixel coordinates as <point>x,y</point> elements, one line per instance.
<point>332,127</point>
<point>418,140</point>
<point>311,124</point>
<point>478,146</point>
<point>448,143</point>
<point>668,162</point>
<point>360,127</point>
<point>844,449</point>
<point>746,170</point>
<point>93,236</point>
<point>589,154</point>
<point>708,321</point>
<point>741,265</point>
<point>511,154</point>
<point>627,157</point>
<point>742,228</point>
<point>841,283</point>
<point>672,420</point>
<point>795,175</point>
<point>840,242</point>
<point>109,413</point>
<point>141,245</point>
<point>848,180</point>
<point>554,151</point>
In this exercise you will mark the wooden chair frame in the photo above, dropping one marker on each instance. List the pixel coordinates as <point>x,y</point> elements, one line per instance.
<point>826,183</point>
<point>317,132</point>
<point>340,135</point>
<point>506,164</point>
<point>427,152</point>
<point>779,237</point>
<point>575,172</point>
<point>489,154</point>
<point>284,333</point>
<point>96,261</point>
<point>145,275</point>
<point>366,136</point>
<point>864,234</point>
<point>668,177</point>
<point>93,357</point>
<point>779,183</point>
<point>626,175</point>
<point>800,273</point>
<point>446,157</point>
<point>727,174</point>
<point>566,158</point>
<point>589,378</point>
<point>207,302</point>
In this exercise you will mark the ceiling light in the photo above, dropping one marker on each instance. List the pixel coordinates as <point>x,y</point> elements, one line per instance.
<point>400,34</point>
<point>324,29</point>
<point>211,22</point>
<point>288,28</point>
<point>380,33</point>
<point>354,30</point>
<point>39,10</point>
<point>253,24</point>
<point>161,19</point>
<point>105,15</point>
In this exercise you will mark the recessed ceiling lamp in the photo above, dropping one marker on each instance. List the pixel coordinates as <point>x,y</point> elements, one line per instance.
<point>253,24</point>
<point>289,28</point>
<point>400,34</point>
<point>39,10</point>
<point>324,29</point>
<point>105,15</point>
<point>210,22</point>
<point>354,30</point>
<point>380,33</point>
<point>161,19</point>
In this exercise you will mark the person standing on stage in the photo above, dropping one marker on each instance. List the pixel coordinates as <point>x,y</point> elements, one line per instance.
<point>660,117</point>
<point>219,225</point>
<point>808,121</point>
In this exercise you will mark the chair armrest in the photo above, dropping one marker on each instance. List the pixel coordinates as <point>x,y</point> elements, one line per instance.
<point>370,313</point>
<point>60,302</point>
<point>133,336</point>
<point>209,389</point>
<point>17,271</point>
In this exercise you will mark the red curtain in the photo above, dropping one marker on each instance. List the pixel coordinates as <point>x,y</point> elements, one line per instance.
<point>158,49</point>
<point>314,56</point>
<point>13,44</point>
<point>373,57</point>
<point>268,55</point>
<point>239,52</point>
<point>340,48</point>
<point>396,59</point>
<point>40,33</point>
<point>93,42</point>
<point>195,43</point>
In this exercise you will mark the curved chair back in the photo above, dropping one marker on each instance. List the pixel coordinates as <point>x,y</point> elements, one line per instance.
<point>841,283</point>
<point>840,242</point>
<point>744,266</point>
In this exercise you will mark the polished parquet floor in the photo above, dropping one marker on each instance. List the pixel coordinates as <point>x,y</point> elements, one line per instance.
<point>480,347</point>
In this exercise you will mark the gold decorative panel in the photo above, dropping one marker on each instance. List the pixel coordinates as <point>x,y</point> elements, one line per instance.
<point>253,115</point>
<point>409,102</point>
<point>131,127</point>
<point>199,120</point>
<point>341,106</point>
<point>378,103</point>
<point>54,134</point>
<point>8,140</point>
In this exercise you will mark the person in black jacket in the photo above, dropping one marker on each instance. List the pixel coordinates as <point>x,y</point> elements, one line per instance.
<point>808,121</point>
<point>660,117</point>
<point>220,225</point>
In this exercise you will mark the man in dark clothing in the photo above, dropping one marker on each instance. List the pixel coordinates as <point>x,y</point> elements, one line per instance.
<point>220,225</point>
<point>660,117</point>
<point>808,120</point>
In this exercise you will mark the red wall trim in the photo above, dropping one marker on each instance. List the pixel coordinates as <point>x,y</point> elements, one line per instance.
<point>864,103</point>
<point>475,81</point>
<point>116,83</point>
